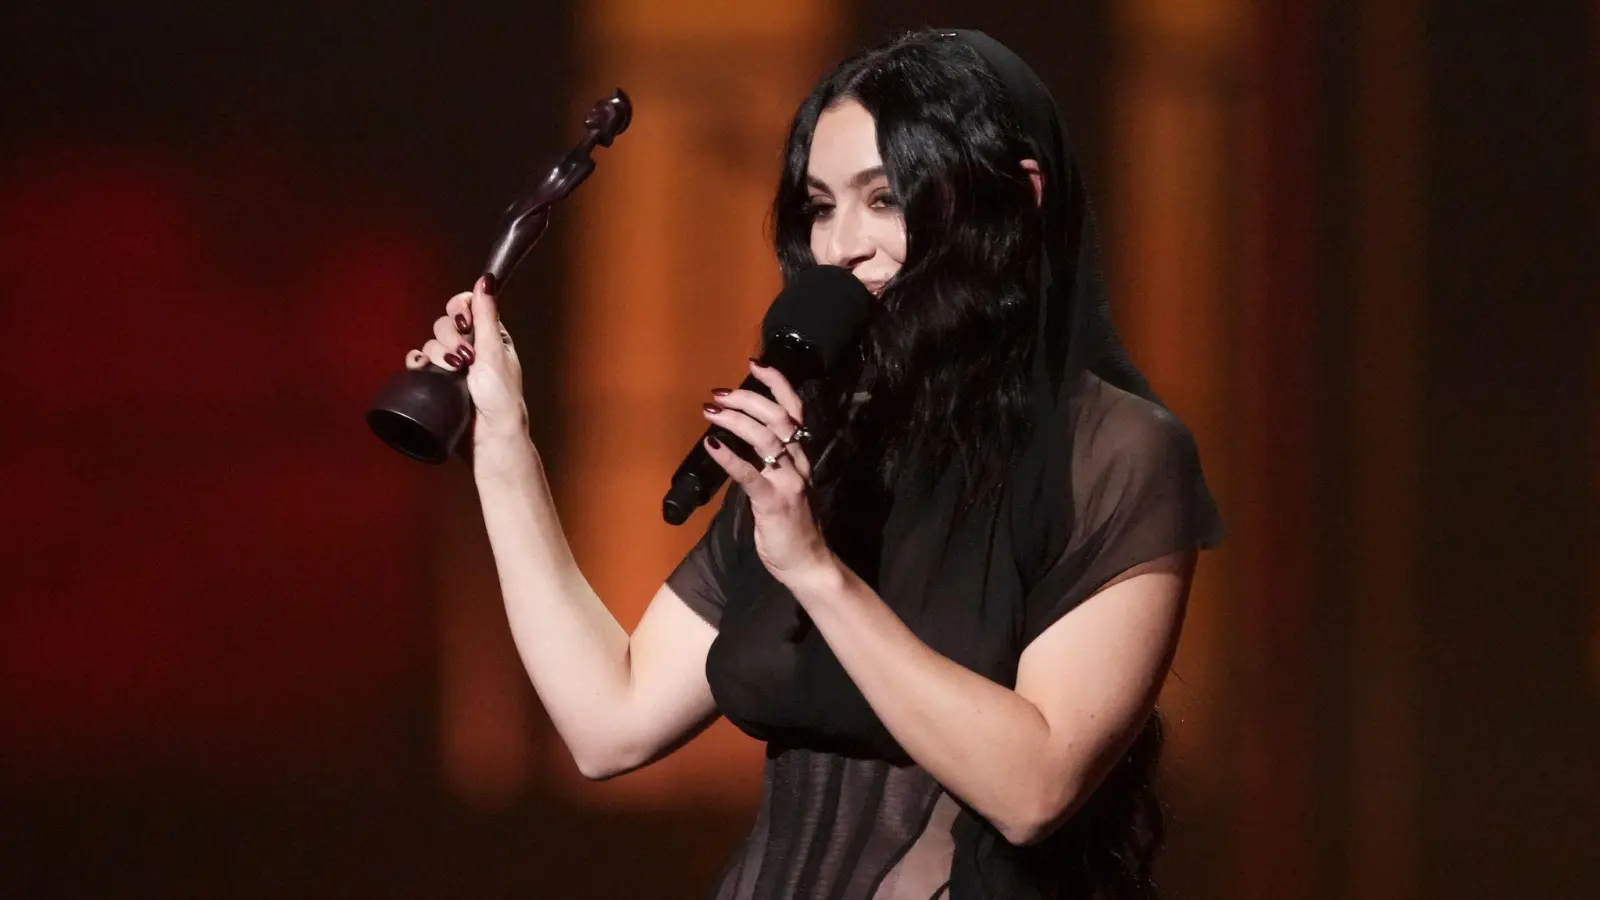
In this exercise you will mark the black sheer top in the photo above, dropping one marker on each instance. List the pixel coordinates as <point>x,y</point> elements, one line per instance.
<point>845,812</point>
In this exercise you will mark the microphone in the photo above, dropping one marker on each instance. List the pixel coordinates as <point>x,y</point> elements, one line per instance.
<point>802,336</point>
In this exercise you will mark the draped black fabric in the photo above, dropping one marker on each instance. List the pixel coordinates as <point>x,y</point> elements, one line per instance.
<point>1109,480</point>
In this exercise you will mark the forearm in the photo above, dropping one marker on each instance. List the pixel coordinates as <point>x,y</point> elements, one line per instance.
<point>984,742</point>
<point>575,652</point>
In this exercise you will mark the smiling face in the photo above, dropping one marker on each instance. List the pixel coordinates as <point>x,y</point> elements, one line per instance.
<point>856,222</point>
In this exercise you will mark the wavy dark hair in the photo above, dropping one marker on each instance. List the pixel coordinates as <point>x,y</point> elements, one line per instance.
<point>947,354</point>
<point>948,348</point>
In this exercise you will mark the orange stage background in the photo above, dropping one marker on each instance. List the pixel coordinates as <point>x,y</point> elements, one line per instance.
<point>247,651</point>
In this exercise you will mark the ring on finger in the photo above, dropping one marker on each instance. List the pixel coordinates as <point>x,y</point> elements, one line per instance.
<point>774,460</point>
<point>801,433</point>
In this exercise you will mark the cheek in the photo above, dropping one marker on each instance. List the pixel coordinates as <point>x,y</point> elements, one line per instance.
<point>891,239</point>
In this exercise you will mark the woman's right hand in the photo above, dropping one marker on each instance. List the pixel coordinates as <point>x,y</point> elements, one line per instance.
<point>494,374</point>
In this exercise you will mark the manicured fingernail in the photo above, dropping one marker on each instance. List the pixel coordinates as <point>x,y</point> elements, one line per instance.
<point>712,409</point>
<point>756,362</point>
<point>486,284</point>
<point>721,392</point>
<point>465,353</point>
<point>462,324</point>
<point>715,444</point>
<point>452,360</point>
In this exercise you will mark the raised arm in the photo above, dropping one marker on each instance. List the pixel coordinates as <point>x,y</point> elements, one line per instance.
<point>617,701</point>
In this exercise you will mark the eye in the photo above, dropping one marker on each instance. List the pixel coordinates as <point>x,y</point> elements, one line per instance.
<point>885,200</point>
<point>816,208</point>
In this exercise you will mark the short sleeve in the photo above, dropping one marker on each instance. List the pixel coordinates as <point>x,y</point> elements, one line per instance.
<point>1137,494</point>
<point>701,579</point>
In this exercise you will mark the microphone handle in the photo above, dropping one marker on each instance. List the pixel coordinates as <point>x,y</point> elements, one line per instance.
<point>699,477</point>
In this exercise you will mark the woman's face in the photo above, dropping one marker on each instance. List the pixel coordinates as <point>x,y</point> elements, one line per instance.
<point>856,220</point>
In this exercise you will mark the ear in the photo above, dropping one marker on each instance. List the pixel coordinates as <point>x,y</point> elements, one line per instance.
<point>1031,166</point>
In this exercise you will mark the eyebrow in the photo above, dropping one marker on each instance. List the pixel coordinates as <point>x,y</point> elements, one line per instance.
<point>854,182</point>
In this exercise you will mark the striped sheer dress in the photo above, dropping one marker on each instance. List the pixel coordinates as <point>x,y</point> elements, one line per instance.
<point>845,814</point>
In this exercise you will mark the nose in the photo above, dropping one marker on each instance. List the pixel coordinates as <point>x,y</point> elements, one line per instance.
<point>849,244</point>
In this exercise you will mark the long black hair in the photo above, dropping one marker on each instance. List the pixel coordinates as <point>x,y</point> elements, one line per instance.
<point>946,359</point>
<point>947,349</point>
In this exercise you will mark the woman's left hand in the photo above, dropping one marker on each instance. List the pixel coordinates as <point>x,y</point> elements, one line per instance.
<point>788,539</point>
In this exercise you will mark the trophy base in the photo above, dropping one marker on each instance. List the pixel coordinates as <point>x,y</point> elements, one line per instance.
<point>422,413</point>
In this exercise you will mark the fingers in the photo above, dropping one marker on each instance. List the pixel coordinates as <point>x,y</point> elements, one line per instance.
<point>760,437</point>
<point>454,342</point>
<point>485,311</point>
<point>442,355</point>
<point>458,309</point>
<point>781,485</point>
<point>765,411</point>
<point>782,391</point>
<point>763,439</point>
<point>797,456</point>
<point>746,475</point>
<point>780,420</point>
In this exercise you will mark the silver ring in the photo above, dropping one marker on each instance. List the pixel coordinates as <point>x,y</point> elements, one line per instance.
<point>800,434</point>
<point>772,461</point>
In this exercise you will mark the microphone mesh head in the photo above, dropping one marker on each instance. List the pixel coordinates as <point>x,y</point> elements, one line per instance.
<point>825,306</point>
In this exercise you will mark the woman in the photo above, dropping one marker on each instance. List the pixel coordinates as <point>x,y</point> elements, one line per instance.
<point>950,611</point>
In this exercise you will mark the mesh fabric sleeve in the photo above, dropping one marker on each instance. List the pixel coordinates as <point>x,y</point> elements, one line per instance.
<point>1137,494</point>
<point>701,579</point>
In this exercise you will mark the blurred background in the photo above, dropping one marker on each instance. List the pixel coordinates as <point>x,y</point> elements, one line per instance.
<point>246,651</point>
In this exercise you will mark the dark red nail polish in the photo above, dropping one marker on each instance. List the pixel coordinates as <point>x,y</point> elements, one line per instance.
<point>461,324</point>
<point>488,284</point>
<point>453,361</point>
<point>712,408</point>
<point>715,444</point>
<point>721,392</point>
<point>756,361</point>
<point>465,353</point>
